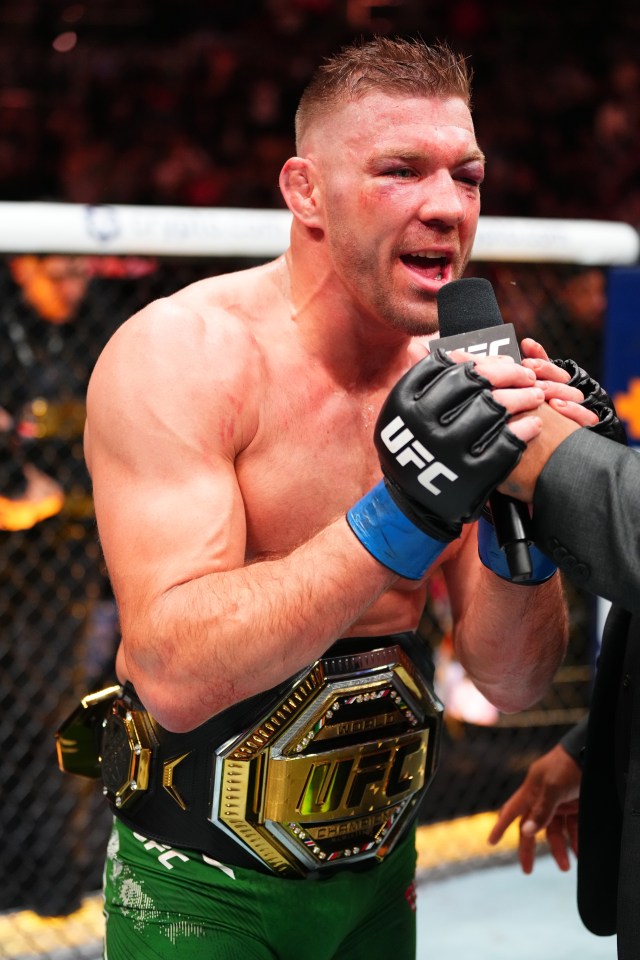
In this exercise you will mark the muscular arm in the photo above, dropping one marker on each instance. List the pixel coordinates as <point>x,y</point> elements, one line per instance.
<point>166,423</point>
<point>510,639</point>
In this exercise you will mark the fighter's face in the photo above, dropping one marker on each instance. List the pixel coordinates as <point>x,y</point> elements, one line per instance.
<point>401,190</point>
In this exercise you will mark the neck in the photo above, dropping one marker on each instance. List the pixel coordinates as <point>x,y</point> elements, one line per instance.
<point>356,348</point>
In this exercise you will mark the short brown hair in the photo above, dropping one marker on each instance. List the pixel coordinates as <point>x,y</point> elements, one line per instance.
<point>409,67</point>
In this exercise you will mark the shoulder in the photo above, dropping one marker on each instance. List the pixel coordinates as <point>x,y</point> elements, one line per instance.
<point>187,361</point>
<point>201,333</point>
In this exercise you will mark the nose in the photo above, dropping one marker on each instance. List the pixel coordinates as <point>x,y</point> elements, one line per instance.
<point>442,201</point>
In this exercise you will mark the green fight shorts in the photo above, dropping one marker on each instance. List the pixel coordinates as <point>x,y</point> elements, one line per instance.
<point>166,902</point>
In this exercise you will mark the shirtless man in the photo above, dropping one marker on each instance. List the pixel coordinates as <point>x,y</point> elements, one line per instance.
<point>231,428</point>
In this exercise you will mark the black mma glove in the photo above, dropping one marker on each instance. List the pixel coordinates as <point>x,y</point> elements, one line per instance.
<point>595,399</point>
<point>444,446</point>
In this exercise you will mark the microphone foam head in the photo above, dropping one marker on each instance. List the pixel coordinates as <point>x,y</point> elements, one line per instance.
<point>465,305</point>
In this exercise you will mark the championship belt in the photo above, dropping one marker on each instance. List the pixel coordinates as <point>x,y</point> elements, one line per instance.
<point>337,770</point>
<point>330,773</point>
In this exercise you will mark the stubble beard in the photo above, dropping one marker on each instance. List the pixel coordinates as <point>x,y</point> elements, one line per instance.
<point>416,319</point>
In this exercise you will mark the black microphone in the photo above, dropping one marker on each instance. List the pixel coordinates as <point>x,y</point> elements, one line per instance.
<point>469,318</point>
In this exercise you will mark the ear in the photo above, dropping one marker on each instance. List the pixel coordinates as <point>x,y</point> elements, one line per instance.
<point>300,191</point>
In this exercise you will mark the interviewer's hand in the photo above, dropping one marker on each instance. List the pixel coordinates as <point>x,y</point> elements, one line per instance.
<point>546,800</point>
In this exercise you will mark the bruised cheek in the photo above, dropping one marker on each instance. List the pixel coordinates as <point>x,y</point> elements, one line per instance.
<point>369,199</point>
<point>355,197</point>
<point>373,197</point>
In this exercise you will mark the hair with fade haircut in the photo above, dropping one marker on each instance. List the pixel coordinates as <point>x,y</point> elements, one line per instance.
<point>391,65</point>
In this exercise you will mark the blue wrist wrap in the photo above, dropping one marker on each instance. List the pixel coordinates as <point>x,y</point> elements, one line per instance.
<point>495,559</point>
<point>390,536</point>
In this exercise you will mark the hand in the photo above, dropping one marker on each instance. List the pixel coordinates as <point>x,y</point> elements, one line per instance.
<point>546,800</point>
<point>603,418</point>
<point>597,400</point>
<point>568,399</point>
<point>444,445</point>
<point>442,434</point>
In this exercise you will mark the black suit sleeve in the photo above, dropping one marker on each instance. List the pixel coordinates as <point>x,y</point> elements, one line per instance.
<point>586,514</point>
<point>574,740</point>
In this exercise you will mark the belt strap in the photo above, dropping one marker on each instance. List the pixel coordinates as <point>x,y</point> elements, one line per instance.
<point>175,806</point>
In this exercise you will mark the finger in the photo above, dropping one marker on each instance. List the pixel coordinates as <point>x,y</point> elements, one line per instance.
<point>560,391</point>
<point>500,826</point>
<point>461,356</point>
<point>503,372</point>
<point>527,853</point>
<point>515,807</point>
<point>524,400</point>
<point>531,348</point>
<point>558,843</point>
<point>575,412</point>
<point>526,428</point>
<point>506,816</point>
<point>546,370</point>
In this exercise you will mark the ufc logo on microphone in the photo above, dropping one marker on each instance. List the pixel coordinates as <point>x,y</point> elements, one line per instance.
<point>489,348</point>
<point>399,440</point>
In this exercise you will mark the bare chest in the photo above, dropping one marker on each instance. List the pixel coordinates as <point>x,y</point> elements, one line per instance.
<point>312,458</point>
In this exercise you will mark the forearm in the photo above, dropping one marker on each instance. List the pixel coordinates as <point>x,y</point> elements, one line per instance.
<point>511,639</point>
<point>212,641</point>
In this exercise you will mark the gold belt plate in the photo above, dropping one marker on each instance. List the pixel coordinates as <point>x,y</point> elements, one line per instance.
<point>335,772</point>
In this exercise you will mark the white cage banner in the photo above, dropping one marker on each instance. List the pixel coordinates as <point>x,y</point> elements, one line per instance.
<point>40,227</point>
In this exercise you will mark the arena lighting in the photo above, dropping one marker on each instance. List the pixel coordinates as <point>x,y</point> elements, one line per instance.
<point>45,227</point>
<point>65,42</point>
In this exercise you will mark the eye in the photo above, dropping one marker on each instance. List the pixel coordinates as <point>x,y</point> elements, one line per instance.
<point>472,177</point>
<point>400,173</point>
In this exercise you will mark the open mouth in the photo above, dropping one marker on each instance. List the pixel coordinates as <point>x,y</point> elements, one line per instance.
<point>431,266</point>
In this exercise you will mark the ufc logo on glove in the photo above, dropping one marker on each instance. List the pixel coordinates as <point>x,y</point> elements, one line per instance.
<point>396,436</point>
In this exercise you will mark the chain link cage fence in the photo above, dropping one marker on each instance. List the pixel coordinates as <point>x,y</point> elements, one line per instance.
<point>58,622</point>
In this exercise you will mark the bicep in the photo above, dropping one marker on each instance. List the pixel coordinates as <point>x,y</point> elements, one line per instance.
<point>161,453</point>
<point>161,529</point>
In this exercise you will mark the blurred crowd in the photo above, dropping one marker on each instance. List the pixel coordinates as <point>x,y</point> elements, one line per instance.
<point>166,102</point>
